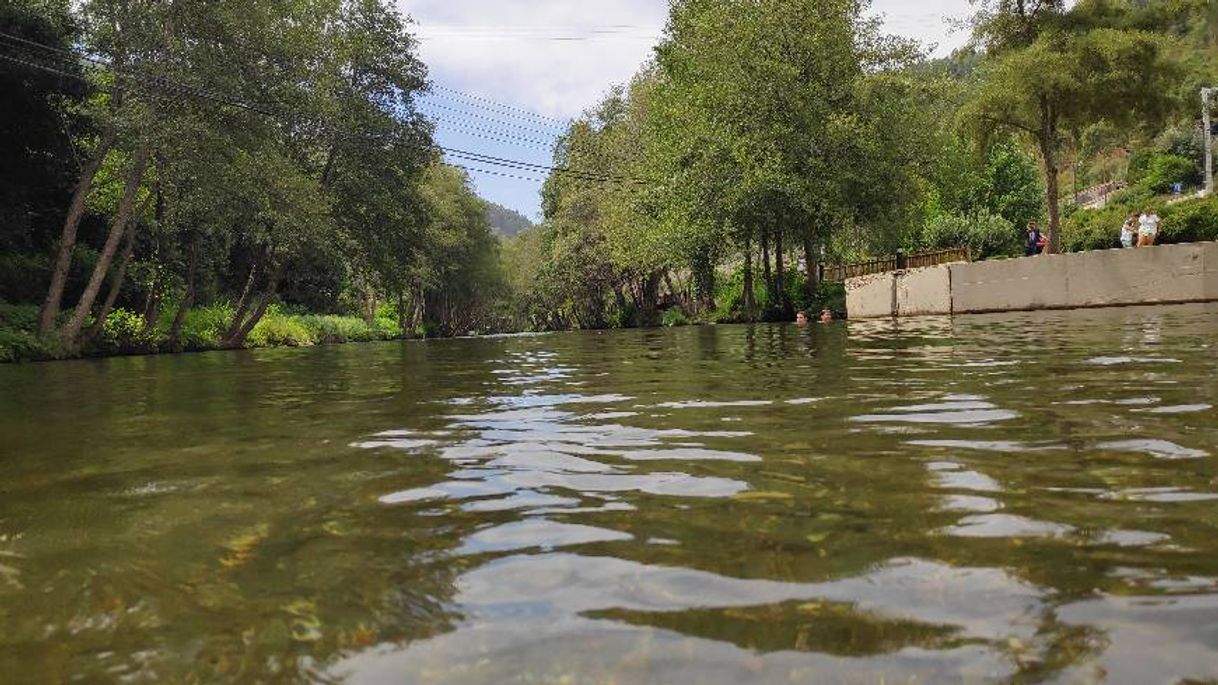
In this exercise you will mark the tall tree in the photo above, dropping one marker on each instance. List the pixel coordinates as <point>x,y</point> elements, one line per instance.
<point>1054,68</point>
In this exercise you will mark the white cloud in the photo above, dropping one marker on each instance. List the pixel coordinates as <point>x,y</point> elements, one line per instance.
<point>554,57</point>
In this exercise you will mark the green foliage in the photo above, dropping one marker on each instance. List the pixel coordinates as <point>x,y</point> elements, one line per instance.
<point>204,326</point>
<point>729,297</point>
<point>674,318</point>
<point>16,346</point>
<point>18,342</point>
<point>1094,229</point>
<point>1065,67</point>
<point>1183,222</point>
<point>1190,221</point>
<point>1165,170</point>
<point>1003,182</point>
<point>986,235</point>
<point>18,317</point>
<point>346,329</point>
<point>277,329</point>
<point>123,332</point>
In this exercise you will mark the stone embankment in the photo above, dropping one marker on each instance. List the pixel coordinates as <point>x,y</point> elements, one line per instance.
<point>1169,274</point>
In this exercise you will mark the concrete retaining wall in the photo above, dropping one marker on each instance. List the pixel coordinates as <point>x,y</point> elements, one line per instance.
<point>1165,274</point>
<point>923,292</point>
<point>870,297</point>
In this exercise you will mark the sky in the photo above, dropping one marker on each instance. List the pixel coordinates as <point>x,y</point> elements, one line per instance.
<point>508,73</point>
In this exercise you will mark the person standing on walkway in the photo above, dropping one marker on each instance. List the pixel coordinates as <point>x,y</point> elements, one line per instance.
<point>1129,231</point>
<point>1148,228</point>
<point>1034,240</point>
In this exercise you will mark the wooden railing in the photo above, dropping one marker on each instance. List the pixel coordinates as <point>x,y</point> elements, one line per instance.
<point>898,262</point>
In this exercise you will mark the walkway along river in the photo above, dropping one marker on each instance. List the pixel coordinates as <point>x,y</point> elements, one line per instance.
<point>997,498</point>
<point>1168,274</point>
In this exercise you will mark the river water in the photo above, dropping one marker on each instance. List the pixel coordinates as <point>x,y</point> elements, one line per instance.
<point>1018,498</point>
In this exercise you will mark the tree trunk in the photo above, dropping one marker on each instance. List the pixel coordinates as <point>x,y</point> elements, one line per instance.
<point>767,276</point>
<point>750,301</point>
<point>264,302</point>
<point>402,313</point>
<point>1048,151</point>
<point>243,328</point>
<point>370,307</point>
<point>152,309</point>
<point>152,314</point>
<point>67,238</point>
<point>677,295</point>
<point>116,283</point>
<point>812,266</point>
<point>784,305</point>
<point>649,306</point>
<point>126,206</point>
<point>704,283</point>
<point>188,298</point>
<point>242,304</point>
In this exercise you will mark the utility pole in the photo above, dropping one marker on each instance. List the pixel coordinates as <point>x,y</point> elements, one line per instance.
<point>1207,124</point>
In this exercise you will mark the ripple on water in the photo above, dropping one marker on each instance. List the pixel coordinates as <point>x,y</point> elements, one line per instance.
<point>988,446</point>
<point>967,480</point>
<point>1160,495</point>
<point>970,503</point>
<point>1122,360</point>
<point>537,533</point>
<point>536,614</point>
<point>1160,449</point>
<point>1180,409</point>
<point>511,455</point>
<point>955,410</point>
<point>1006,526</point>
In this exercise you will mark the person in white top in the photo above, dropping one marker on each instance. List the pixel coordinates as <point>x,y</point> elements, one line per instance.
<point>1148,228</point>
<point>1129,231</point>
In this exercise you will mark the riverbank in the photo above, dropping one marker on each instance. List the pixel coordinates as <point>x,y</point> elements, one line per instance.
<point>123,333</point>
<point>1167,274</point>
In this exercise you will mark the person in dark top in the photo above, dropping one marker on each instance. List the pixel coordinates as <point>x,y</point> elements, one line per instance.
<point>1035,240</point>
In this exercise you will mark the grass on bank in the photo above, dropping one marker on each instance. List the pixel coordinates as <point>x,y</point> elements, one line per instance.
<point>123,332</point>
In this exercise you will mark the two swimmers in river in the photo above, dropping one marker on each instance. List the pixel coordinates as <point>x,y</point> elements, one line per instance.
<point>825,317</point>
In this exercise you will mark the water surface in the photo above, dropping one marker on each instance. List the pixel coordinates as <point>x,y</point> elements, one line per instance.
<point>998,499</point>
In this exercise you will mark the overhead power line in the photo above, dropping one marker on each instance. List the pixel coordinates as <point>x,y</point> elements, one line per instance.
<point>493,120</point>
<point>488,159</point>
<point>144,81</point>
<point>487,103</point>
<point>488,134</point>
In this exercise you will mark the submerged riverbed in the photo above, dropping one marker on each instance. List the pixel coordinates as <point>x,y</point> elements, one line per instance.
<point>1022,498</point>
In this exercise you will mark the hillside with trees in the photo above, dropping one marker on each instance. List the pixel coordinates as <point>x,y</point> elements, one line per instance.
<point>506,222</point>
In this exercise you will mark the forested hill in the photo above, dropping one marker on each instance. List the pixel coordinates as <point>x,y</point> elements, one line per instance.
<point>506,222</point>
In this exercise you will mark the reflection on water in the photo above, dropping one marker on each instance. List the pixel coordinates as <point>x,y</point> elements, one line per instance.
<point>1021,498</point>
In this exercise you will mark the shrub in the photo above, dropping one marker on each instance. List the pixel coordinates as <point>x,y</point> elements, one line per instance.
<point>1191,221</point>
<point>203,326</point>
<point>18,346</point>
<point>276,329</point>
<point>986,235</point>
<point>1166,170</point>
<point>675,317</point>
<point>123,331</point>
<point>1094,229</point>
<point>19,317</point>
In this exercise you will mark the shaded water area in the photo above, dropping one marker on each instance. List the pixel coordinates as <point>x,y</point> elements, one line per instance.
<point>1021,498</point>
